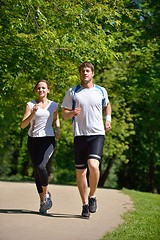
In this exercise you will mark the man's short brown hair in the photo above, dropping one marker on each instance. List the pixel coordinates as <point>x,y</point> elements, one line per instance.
<point>85,65</point>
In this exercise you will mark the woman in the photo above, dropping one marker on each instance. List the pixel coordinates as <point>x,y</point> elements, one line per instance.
<point>41,114</point>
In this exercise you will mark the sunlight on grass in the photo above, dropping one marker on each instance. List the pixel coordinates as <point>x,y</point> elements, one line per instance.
<point>142,223</point>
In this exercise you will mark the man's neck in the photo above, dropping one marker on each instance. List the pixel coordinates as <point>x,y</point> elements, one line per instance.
<point>87,85</point>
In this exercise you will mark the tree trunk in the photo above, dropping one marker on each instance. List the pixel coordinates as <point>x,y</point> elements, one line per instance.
<point>153,187</point>
<point>104,175</point>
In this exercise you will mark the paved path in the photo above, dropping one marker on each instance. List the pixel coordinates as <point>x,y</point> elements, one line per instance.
<point>20,220</point>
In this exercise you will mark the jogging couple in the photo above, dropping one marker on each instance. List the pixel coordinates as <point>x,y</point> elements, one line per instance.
<point>84,104</point>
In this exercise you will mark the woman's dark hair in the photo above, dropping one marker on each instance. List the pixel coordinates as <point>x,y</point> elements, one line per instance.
<point>43,80</point>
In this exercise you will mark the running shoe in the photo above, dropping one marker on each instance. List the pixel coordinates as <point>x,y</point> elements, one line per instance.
<point>41,209</point>
<point>85,211</point>
<point>49,194</point>
<point>92,204</point>
<point>46,204</point>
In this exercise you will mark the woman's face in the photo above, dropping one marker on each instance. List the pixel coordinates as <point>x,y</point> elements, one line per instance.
<point>42,89</point>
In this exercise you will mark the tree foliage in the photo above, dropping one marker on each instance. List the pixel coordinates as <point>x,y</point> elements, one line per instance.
<point>48,39</point>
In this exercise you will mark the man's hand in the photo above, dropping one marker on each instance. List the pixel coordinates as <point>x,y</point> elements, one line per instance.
<point>77,112</point>
<point>108,126</point>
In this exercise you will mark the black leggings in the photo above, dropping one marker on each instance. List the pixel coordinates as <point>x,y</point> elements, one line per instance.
<point>40,150</point>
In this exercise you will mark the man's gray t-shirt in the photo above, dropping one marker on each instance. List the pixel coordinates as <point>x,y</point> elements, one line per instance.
<point>91,101</point>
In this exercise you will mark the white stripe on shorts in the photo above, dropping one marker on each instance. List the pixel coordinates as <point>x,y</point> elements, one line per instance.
<point>94,156</point>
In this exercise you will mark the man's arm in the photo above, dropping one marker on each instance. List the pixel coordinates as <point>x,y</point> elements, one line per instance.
<point>108,110</point>
<point>68,113</point>
<point>107,114</point>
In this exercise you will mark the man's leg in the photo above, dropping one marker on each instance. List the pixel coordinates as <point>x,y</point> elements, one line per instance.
<point>94,174</point>
<point>82,184</point>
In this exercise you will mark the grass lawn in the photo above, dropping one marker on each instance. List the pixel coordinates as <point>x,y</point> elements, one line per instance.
<point>142,223</point>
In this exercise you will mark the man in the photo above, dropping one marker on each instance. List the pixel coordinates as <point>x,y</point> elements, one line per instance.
<point>84,105</point>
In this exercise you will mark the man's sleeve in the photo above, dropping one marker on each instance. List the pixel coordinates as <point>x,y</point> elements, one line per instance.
<point>67,101</point>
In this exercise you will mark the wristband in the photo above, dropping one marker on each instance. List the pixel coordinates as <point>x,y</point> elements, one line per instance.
<point>108,118</point>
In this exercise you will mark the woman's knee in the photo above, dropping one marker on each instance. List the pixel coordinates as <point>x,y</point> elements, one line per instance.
<point>40,168</point>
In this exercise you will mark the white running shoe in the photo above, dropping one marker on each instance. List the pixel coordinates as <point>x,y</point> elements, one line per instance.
<point>46,204</point>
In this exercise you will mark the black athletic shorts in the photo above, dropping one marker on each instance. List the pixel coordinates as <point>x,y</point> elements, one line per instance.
<point>87,147</point>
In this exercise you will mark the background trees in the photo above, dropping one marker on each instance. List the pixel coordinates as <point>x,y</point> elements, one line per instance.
<point>48,39</point>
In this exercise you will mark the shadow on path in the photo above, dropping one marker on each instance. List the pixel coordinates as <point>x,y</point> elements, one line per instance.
<point>24,211</point>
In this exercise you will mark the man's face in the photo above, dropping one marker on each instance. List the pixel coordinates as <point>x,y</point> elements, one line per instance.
<point>86,75</point>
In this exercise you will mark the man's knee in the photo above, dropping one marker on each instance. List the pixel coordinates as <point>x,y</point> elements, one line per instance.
<point>81,172</point>
<point>93,164</point>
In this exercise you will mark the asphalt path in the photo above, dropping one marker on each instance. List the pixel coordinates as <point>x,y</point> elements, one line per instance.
<point>20,219</point>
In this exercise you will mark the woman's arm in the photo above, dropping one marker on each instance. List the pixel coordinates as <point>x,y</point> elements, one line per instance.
<point>57,124</point>
<point>28,115</point>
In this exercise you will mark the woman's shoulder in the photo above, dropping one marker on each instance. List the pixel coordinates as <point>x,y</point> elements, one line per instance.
<point>53,103</point>
<point>32,102</point>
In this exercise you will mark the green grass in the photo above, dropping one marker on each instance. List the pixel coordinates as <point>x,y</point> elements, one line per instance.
<point>142,223</point>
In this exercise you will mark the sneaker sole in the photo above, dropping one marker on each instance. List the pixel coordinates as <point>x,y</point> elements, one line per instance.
<point>85,217</point>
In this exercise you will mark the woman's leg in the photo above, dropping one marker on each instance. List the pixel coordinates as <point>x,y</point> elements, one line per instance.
<point>40,151</point>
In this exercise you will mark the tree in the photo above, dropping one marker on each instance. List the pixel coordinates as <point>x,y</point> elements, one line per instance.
<point>44,39</point>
